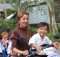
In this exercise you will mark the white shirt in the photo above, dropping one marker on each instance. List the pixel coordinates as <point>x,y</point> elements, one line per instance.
<point>8,48</point>
<point>36,39</point>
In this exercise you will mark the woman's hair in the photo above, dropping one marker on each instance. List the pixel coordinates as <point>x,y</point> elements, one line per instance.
<point>20,14</point>
<point>42,24</point>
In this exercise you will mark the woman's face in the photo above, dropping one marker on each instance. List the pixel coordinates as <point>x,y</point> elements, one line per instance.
<point>24,21</point>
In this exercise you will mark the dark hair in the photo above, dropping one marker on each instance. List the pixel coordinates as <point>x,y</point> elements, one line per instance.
<point>5,29</point>
<point>42,24</point>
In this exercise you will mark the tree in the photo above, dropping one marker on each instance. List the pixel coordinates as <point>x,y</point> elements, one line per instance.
<point>53,25</point>
<point>5,13</point>
<point>21,5</point>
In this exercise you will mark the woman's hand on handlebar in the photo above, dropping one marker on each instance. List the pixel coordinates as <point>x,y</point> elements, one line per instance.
<point>25,52</point>
<point>19,52</point>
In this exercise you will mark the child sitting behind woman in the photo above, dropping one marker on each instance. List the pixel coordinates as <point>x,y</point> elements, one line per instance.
<point>5,43</point>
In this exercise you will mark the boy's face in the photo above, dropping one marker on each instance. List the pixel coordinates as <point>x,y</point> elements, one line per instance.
<point>42,31</point>
<point>4,35</point>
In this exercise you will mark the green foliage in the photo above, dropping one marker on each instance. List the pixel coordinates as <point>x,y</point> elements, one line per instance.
<point>9,11</point>
<point>51,36</point>
<point>33,27</point>
<point>0,1</point>
<point>24,5</point>
<point>12,1</point>
<point>58,28</point>
<point>9,24</point>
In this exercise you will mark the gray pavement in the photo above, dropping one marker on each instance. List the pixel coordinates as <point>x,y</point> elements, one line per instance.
<point>58,50</point>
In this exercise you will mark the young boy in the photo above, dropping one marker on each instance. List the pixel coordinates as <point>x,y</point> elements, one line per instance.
<point>40,38</point>
<point>5,43</point>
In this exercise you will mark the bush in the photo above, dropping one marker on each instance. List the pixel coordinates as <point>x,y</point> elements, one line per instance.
<point>51,36</point>
<point>58,27</point>
<point>10,11</point>
<point>33,27</point>
<point>9,24</point>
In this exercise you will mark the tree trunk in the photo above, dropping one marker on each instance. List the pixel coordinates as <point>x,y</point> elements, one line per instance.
<point>5,13</point>
<point>52,19</point>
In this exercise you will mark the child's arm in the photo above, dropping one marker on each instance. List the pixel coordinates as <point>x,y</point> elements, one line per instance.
<point>11,53</point>
<point>55,44</point>
<point>4,42</point>
<point>38,48</point>
<point>9,48</point>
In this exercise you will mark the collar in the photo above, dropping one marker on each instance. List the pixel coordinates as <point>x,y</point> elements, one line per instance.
<point>22,28</point>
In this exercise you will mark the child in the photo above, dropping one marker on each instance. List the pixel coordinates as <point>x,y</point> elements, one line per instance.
<point>40,38</point>
<point>5,43</point>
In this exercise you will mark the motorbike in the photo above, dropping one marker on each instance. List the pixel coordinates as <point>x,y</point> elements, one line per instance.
<point>47,51</point>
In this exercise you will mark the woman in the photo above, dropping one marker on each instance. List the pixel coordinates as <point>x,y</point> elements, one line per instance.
<point>21,31</point>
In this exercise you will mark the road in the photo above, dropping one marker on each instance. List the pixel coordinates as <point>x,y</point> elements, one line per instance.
<point>58,50</point>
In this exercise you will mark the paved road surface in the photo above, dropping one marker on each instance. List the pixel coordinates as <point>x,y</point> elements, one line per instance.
<point>58,50</point>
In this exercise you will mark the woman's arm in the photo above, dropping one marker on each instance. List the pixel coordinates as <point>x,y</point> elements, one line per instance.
<point>25,52</point>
